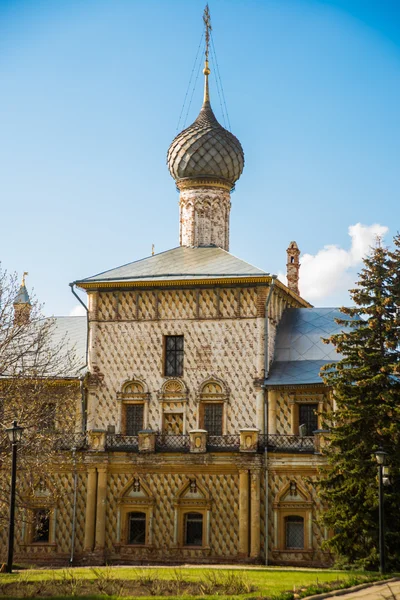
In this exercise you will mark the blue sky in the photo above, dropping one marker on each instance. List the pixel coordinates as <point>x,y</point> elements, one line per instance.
<point>91,92</point>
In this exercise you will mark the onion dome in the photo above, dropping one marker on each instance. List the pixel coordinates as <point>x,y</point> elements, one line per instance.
<point>206,150</point>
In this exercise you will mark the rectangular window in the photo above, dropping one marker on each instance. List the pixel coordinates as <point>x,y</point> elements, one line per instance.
<point>137,528</point>
<point>308,416</point>
<point>134,418</point>
<point>48,417</point>
<point>173,356</point>
<point>193,529</point>
<point>213,418</point>
<point>294,533</point>
<point>41,526</point>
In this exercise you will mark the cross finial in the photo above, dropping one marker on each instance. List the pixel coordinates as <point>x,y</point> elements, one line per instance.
<point>25,273</point>
<point>206,71</point>
<point>207,24</point>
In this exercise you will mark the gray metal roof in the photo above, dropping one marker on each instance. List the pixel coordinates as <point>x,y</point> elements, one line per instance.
<point>181,263</point>
<point>73,331</point>
<point>55,345</point>
<point>299,350</point>
<point>22,297</point>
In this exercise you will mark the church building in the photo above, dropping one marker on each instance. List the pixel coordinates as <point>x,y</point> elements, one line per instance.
<point>198,404</point>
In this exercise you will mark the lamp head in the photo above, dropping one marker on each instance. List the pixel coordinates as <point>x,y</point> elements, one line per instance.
<point>14,433</point>
<point>381,456</point>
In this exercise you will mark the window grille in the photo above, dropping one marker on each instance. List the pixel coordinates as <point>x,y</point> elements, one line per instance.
<point>213,418</point>
<point>41,526</point>
<point>137,528</point>
<point>294,533</point>
<point>134,418</point>
<point>308,416</point>
<point>193,529</point>
<point>174,355</point>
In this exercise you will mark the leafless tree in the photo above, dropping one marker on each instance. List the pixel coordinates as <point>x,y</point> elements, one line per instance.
<point>39,384</point>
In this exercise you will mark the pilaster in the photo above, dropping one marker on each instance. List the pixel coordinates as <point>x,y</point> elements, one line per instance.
<point>255,513</point>
<point>243,513</point>
<point>101,508</point>
<point>90,514</point>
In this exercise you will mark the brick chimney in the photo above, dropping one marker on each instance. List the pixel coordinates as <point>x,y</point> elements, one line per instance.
<point>292,268</point>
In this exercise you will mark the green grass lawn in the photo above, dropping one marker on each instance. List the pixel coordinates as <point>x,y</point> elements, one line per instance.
<point>264,581</point>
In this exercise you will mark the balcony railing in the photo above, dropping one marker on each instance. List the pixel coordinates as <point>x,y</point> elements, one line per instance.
<point>172,443</point>
<point>70,441</point>
<point>286,443</point>
<point>223,443</point>
<point>123,443</point>
<point>43,441</point>
<point>215,443</point>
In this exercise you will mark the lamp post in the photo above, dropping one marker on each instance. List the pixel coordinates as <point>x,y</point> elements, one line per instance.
<point>15,435</point>
<point>381,457</point>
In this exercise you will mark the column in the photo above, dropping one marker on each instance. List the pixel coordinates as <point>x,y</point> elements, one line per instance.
<point>272,406</point>
<point>90,509</point>
<point>255,514</point>
<point>101,508</point>
<point>260,410</point>
<point>243,513</point>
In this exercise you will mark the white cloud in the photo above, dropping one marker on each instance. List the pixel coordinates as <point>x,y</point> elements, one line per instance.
<point>331,272</point>
<point>77,311</point>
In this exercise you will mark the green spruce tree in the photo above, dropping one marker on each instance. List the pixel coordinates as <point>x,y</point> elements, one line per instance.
<point>366,417</point>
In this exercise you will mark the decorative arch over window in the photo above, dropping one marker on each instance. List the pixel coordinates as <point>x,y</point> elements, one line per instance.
<point>213,401</point>
<point>134,414</point>
<point>173,398</point>
<point>293,521</point>
<point>192,515</point>
<point>135,514</point>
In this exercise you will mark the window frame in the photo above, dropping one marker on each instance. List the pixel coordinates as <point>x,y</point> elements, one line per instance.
<point>137,511</point>
<point>176,372</point>
<point>291,519</point>
<point>191,509</point>
<point>316,410</point>
<point>185,528</point>
<point>29,533</point>
<point>125,409</point>
<point>203,408</point>
<point>43,425</point>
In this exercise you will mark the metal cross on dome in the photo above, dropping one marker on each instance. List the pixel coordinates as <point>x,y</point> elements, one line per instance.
<point>207,23</point>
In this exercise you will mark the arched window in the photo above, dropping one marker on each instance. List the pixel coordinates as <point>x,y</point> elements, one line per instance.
<point>136,528</point>
<point>212,408</point>
<point>193,529</point>
<point>294,532</point>
<point>134,413</point>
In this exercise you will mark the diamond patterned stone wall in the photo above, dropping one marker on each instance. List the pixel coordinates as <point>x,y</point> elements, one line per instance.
<point>223,490</point>
<point>283,417</point>
<point>225,348</point>
<point>277,482</point>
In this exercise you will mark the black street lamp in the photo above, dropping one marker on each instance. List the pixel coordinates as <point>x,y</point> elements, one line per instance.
<point>381,458</point>
<point>15,435</point>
